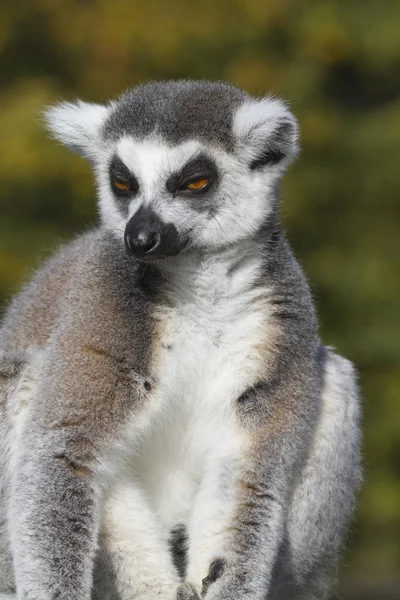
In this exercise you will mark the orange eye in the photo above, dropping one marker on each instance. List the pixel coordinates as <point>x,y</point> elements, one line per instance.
<point>122,186</point>
<point>198,184</point>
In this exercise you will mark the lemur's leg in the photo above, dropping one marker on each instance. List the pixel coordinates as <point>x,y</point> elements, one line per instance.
<point>137,546</point>
<point>323,501</point>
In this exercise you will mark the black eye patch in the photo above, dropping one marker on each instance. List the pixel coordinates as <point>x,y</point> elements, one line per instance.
<point>198,168</point>
<point>119,172</point>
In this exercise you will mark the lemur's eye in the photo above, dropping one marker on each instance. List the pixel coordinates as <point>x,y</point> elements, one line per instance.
<point>122,181</point>
<point>195,178</point>
<point>120,185</point>
<point>197,184</point>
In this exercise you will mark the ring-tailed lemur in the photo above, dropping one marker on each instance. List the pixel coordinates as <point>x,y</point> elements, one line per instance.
<point>171,425</point>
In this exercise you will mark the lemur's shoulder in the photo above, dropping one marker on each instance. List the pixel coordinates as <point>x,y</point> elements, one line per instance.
<point>30,318</point>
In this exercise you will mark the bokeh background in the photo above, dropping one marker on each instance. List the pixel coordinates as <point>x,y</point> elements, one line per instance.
<point>338,63</point>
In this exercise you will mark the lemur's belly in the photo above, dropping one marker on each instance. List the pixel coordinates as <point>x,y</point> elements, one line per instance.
<point>201,366</point>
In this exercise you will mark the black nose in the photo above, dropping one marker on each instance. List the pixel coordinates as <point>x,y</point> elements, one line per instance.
<point>148,237</point>
<point>141,241</point>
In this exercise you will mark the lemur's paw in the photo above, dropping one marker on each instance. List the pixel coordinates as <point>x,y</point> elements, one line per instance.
<point>187,591</point>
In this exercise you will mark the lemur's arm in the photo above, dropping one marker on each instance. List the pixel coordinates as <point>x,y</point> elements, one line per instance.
<point>86,386</point>
<point>54,517</point>
<point>54,497</point>
<point>55,492</point>
<point>281,431</point>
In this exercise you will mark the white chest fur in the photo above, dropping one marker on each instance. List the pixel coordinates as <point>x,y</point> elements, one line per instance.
<point>208,354</point>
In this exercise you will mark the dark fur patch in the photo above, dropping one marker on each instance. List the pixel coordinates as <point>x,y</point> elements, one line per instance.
<point>77,469</point>
<point>278,145</point>
<point>178,545</point>
<point>12,364</point>
<point>250,396</point>
<point>268,157</point>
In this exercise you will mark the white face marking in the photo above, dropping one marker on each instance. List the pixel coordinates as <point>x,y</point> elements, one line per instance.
<point>153,162</point>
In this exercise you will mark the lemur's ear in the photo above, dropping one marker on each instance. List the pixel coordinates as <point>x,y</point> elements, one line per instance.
<point>77,125</point>
<point>266,132</point>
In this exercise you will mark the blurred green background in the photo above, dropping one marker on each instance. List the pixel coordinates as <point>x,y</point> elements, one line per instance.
<point>338,63</point>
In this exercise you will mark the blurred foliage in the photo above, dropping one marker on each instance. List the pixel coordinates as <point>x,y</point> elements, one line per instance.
<point>339,65</point>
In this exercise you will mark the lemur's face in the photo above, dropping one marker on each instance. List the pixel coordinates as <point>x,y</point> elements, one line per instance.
<point>181,164</point>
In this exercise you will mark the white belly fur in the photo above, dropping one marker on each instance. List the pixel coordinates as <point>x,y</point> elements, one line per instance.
<point>208,356</point>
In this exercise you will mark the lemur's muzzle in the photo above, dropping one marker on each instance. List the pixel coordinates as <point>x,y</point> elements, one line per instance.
<point>148,237</point>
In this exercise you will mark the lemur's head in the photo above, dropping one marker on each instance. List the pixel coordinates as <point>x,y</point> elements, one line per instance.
<point>178,164</point>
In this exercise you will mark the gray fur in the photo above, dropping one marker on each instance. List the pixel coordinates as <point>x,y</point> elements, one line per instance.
<point>83,337</point>
<point>178,110</point>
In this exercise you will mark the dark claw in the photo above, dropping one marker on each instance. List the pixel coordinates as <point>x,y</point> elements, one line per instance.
<point>216,569</point>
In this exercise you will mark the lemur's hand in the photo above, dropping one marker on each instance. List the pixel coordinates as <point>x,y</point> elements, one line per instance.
<point>187,591</point>
<point>224,583</point>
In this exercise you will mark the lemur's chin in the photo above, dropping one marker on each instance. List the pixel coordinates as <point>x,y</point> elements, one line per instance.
<point>153,255</point>
<point>155,258</point>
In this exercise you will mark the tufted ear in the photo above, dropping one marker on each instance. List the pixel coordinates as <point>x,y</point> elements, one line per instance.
<point>266,132</point>
<point>77,125</point>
